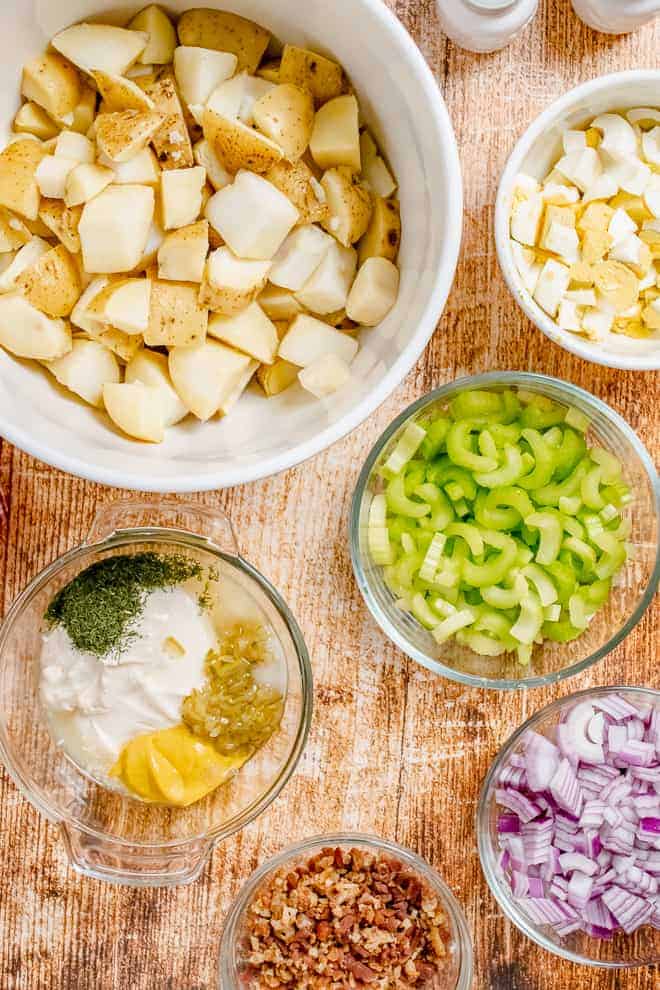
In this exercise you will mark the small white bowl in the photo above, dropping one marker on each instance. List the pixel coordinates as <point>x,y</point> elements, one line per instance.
<point>401,101</point>
<point>535,154</point>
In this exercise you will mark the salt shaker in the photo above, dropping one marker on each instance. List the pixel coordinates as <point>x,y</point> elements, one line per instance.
<point>484,25</point>
<point>616,16</point>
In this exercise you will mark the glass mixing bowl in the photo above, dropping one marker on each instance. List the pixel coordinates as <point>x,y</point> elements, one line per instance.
<point>551,662</point>
<point>623,951</point>
<point>108,835</point>
<point>231,963</point>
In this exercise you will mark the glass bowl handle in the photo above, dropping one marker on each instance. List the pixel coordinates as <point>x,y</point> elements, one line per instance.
<point>107,859</point>
<point>206,521</point>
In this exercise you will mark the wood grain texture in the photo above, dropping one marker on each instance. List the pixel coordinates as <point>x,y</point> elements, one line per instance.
<point>393,750</point>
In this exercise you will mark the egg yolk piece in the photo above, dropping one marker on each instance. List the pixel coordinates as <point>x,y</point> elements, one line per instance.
<point>173,767</point>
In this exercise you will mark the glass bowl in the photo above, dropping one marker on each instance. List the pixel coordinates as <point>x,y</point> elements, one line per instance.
<point>107,834</point>
<point>230,966</point>
<point>551,662</point>
<point>623,951</point>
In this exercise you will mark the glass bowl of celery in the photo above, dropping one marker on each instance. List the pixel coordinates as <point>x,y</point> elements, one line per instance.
<point>504,530</point>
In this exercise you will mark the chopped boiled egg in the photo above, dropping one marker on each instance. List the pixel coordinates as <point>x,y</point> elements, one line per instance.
<point>551,286</point>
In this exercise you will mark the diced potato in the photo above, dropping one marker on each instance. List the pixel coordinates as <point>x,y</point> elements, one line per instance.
<point>120,136</point>
<point>38,228</point>
<point>53,83</point>
<point>176,318</point>
<point>374,292</point>
<point>100,46</point>
<point>52,283</point>
<point>230,283</point>
<point>51,175</point>
<point>323,78</point>
<point>25,258</point>
<point>325,375</point>
<point>182,255</point>
<point>335,138</point>
<point>84,182</point>
<point>309,339</point>
<point>84,113</point>
<point>225,32</point>
<point>13,232</point>
<point>275,378</point>
<point>181,195</point>
<point>171,141</point>
<point>119,93</point>
<point>228,98</point>
<point>81,316</point>
<point>205,375</point>
<point>237,145</point>
<point>383,235</point>
<point>70,144</point>
<point>19,191</point>
<point>162,36</point>
<point>327,288</point>
<point>155,238</point>
<point>151,368</point>
<point>216,173</point>
<point>249,331</point>
<point>254,89</point>
<point>377,176</point>
<point>270,71</point>
<point>368,149</point>
<point>349,204</point>
<point>32,119</point>
<point>279,304</point>
<point>28,333</point>
<point>252,216</point>
<point>199,70</point>
<point>124,304</point>
<point>296,180</point>
<point>299,257</point>
<point>114,228</point>
<point>142,169</point>
<point>86,369</point>
<point>137,409</point>
<point>286,116</point>
<point>242,383</point>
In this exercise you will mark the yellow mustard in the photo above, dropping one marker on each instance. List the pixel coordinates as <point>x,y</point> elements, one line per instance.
<point>172,766</point>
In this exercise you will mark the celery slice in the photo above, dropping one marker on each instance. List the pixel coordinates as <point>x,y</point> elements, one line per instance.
<point>499,597</point>
<point>400,504</point>
<point>542,582</point>
<point>487,446</point>
<point>570,505</point>
<point>470,533</point>
<point>406,448</point>
<point>578,420</point>
<point>529,622</point>
<point>590,489</point>
<point>424,615</point>
<point>431,561</point>
<point>551,530</point>
<point>449,626</point>
<point>611,465</point>
<point>407,543</point>
<point>507,473</point>
<point>577,611</point>
<point>544,461</point>
<point>460,452</point>
<point>552,613</point>
<point>378,537</point>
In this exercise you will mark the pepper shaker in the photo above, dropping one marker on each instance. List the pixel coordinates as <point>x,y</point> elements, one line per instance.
<point>616,16</point>
<point>484,25</point>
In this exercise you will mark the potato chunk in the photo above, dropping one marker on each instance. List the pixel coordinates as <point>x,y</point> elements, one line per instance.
<point>323,78</point>
<point>100,46</point>
<point>114,228</point>
<point>27,332</point>
<point>374,292</point>
<point>299,257</point>
<point>277,377</point>
<point>25,258</point>
<point>181,195</point>
<point>19,191</point>
<point>13,232</point>
<point>225,32</point>
<point>326,290</point>
<point>119,93</point>
<point>279,304</point>
<point>162,37</point>
<point>206,375</point>
<point>151,368</point>
<point>171,141</point>
<point>349,204</point>
<point>182,255</point>
<point>120,136</point>
<point>70,144</point>
<point>141,170</point>
<point>124,304</point>
<point>383,235</point>
<point>324,376</point>
<point>335,138</point>
<point>51,175</point>
<point>84,182</point>
<point>216,173</point>
<point>231,283</point>
<point>237,145</point>
<point>249,331</point>
<point>53,283</point>
<point>296,180</point>
<point>308,339</point>
<point>176,317</point>
<point>286,116</point>
<point>252,216</point>
<point>53,83</point>
<point>32,119</point>
<point>62,221</point>
<point>137,409</point>
<point>86,369</point>
<point>199,70</point>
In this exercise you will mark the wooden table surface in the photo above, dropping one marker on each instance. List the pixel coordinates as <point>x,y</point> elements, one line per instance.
<point>393,750</point>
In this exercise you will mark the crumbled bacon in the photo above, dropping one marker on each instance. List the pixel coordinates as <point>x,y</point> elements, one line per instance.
<point>347,919</point>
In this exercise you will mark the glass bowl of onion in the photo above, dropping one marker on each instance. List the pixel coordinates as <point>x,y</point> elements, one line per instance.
<point>568,827</point>
<point>504,530</point>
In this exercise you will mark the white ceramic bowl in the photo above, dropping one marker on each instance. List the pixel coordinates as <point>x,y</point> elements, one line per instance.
<point>535,154</point>
<point>402,103</point>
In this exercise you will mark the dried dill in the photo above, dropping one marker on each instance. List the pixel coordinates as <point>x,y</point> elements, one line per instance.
<point>99,607</point>
<point>205,599</point>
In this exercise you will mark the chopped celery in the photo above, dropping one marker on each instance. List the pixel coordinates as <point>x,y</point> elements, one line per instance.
<point>434,441</point>
<point>570,505</point>
<point>613,556</point>
<point>580,549</point>
<point>542,582</point>
<point>507,597</point>
<point>443,607</point>
<point>570,452</point>
<point>590,489</point>
<point>458,620</point>
<point>540,413</point>
<point>482,644</point>
<point>470,533</point>
<point>544,461</point>
<point>408,544</point>
<point>577,419</point>
<point>487,446</point>
<point>399,503</point>
<point>552,613</point>
<point>550,527</point>
<point>503,508</point>
<point>420,609</point>
<point>431,561</point>
<point>476,404</point>
<point>406,448</point>
<point>460,450</point>
<point>497,566</point>
<point>611,466</point>
<point>461,508</point>
<point>577,611</point>
<point>378,536</point>
<point>554,436</point>
<point>530,620</point>
<point>506,474</point>
<point>455,491</point>
<point>550,494</point>
<point>608,513</point>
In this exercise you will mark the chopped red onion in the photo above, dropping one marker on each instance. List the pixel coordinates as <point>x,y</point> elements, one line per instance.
<point>576,861</point>
<point>508,824</point>
<point>542,759</point>
<point>566,790</point>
